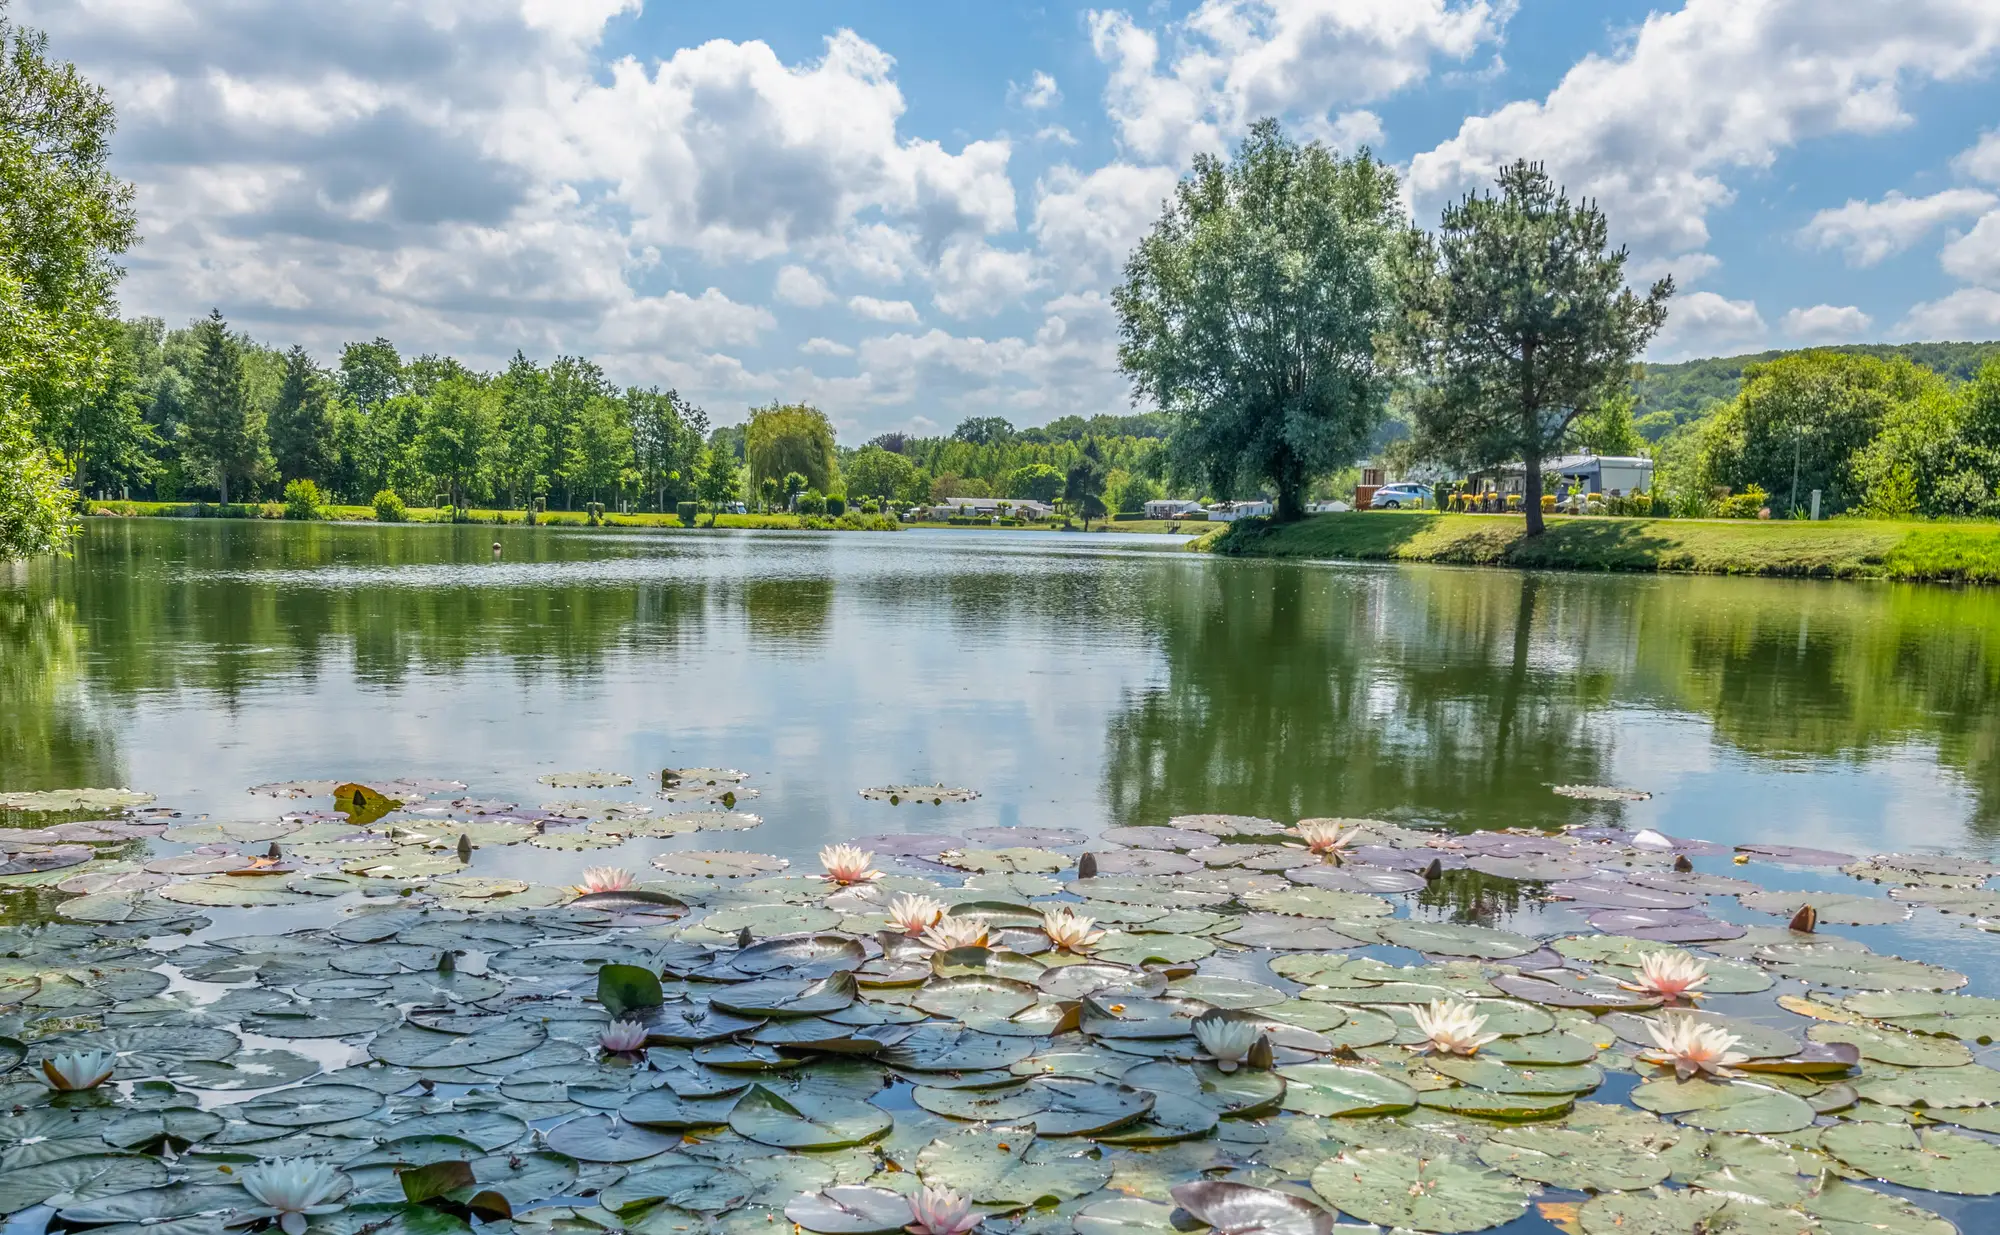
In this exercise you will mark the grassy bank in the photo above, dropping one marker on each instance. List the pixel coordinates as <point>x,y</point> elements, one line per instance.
<point>1839,549</point>
<point>421,514</point>
<point>574,518</point>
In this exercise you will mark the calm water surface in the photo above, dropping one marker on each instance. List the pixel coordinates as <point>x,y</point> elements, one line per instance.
<point>1077,681</point>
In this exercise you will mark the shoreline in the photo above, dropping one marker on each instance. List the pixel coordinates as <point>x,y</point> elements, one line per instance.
<point>1830,549</point>
<point>252,512</point>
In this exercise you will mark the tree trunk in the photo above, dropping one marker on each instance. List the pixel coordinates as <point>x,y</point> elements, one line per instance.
<point>1531,491</point>
<point>1291,502</point>
<point>222,482</point>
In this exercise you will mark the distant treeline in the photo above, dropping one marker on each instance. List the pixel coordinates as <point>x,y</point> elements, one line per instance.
<point>1671,395</point>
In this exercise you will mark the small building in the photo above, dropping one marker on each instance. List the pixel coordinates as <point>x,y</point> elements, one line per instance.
<point>1617,475</point>
<point>991,508</point>
<point>1230,512</point>
<point>1171,508</point>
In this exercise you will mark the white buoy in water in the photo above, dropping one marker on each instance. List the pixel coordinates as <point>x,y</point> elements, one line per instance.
<point>496,550</point>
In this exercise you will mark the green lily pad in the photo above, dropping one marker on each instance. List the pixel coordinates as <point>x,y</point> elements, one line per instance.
<point>968,998</point>
<point>1933,1159</point>
<point>806,1121</point>
<point>1011,1167</point>
<point>1850,1209</point>
<point>104,801</point>
<point>1501,1077</point>
<point>411,1047</point>
<point>1725,1106</point>
<point>1401,1188</point>
<point>607,1138</point>
<point>850,1210</point>
<point>76,1179</point>
<point>1245,1093</point>
<point>310,1105</point>
<point>1658,1212</point>
<point>1895,1046</point>
<point>1334,1089</point>
<point>1592,1159</point>
<point>787,996</point>
<point>1449,939</point>
<point>1966,1085</point>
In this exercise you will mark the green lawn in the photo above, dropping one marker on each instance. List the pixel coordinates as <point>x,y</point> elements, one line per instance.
<point>1841,549</point>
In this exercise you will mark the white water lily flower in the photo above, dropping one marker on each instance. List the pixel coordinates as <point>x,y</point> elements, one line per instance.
<point>1692,1046</point>
<point>1649,839</point>
<point>912,914</point>
<point>954,932</point>
<point>291,1190</point>
<point>1670,975</point>
<point>845,864</point>
<point>1451,1027</point>
<point>940,1211</point>
<point>623,1037</point>
<point>76,1070</point>
<point>606,879</point>
<point>1069,930</point>
<point>1229,1041</point>
<point>1325,838</point>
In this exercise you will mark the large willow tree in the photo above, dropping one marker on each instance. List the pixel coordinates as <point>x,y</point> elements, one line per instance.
<point>63,217</point>
<point>1249,315</point>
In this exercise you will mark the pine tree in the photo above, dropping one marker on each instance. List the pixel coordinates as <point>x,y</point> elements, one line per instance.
<point>301,425</point>
<point>225,432</point>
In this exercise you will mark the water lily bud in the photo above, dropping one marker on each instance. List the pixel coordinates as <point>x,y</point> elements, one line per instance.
<point>1086,866</point>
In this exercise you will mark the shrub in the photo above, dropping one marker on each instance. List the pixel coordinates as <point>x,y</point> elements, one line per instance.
<point>685,512</point>
<point>389,507</point>
<point>303,500</point>
<point>1744,505</point>
<point>836,505</point>
<point>811,502</point>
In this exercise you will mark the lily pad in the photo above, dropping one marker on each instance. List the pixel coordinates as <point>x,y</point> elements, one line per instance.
<point>806,1121</point>
<point>1011,1167</point>
<point>1334,1089</point>
<point>850,1210</point>
<point>1933,1159</point>
<point>1243,1209</point>
<point>1402,1188</point>
<point>1449,939</point>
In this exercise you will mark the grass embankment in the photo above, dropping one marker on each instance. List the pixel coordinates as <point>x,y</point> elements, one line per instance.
<point>575,518</point>
<point>1836,549</point>
<point>422,514</point>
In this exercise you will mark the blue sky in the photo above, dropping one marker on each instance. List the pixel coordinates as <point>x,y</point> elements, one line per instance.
<point>913,213</point>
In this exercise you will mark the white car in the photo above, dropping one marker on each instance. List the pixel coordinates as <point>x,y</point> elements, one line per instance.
<point>1400,495</point>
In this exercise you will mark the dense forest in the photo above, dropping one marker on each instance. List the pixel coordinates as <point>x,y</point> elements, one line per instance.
<point>1672,395</point>
<point>207,413</point>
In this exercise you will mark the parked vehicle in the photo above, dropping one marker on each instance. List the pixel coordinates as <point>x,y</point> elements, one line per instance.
<point>1400,495</point>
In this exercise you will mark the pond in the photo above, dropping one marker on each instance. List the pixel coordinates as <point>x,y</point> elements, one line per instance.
<point>1076,683</point>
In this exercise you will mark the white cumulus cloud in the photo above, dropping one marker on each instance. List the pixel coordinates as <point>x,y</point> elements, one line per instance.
<point>1867,231</point>
<point>1655,130</point>
<point>882,310</point>
<point>799,286</point>
<point>1191,86</point>
<point>1826,323</point>
<point>1040,93</point>
<point>1707,324</point>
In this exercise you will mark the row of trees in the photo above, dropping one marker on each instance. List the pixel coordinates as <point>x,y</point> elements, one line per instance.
<point>207,410</point>
<point>1283,301</point>
<point>1879,436</point>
